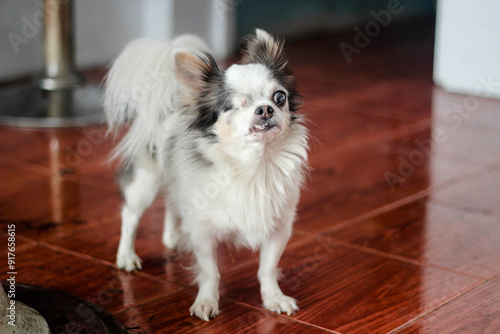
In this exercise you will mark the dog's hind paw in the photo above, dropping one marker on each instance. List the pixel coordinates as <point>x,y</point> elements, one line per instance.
<point>281,304</point>
<point>205,309</point>
<point>129,261</point>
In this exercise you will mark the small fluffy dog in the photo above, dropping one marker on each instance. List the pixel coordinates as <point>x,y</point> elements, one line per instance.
<point>227,148</point>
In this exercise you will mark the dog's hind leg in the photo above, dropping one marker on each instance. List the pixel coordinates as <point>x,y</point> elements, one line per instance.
<point>171,230</point>
<point>139,189</point>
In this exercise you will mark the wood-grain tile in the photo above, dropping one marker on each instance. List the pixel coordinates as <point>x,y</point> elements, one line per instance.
<point>344,186</point>
<point>350,291</point>
<point>472,147</point>
<point>171,315</point>
<point>20,242</point>
<point>91,280</point>
<point>385,101</point>
<point>41,206</point>
<point>409,81</point>
<point>337,127</point>
<point>157,260</point>
<point>465,112</point>
<point>380,61</point>
<point>429,233</point>
<point>77,152</point>
<point>405,256</point>
<point>476,312</point>
<point>479,194</point>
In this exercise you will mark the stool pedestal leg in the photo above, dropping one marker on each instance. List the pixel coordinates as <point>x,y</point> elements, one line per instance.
<point>61,96</point>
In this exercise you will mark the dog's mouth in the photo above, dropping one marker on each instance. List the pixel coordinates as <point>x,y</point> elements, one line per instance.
<point>261,128</point>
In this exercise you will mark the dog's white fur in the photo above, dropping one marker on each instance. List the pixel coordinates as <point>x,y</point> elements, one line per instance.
<point>236,184</point>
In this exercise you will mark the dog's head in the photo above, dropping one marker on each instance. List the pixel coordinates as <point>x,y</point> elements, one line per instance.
<point>254,101</point>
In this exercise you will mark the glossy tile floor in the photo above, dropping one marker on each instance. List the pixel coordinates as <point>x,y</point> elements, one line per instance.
<point>398,228</point>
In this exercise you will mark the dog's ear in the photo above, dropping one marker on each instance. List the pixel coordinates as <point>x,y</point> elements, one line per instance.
<point>199,85</point>
<point>264,49</point>
<point>195,73</point>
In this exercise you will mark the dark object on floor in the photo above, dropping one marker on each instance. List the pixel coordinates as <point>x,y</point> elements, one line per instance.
<point>68,314</point>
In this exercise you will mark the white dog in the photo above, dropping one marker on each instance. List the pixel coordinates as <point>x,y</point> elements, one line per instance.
<point>227,148</point>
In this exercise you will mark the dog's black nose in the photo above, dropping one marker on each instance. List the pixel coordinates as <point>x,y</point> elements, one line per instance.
<point>265,112</point>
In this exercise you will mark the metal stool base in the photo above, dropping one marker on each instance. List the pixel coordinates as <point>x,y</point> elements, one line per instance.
<point>30,106</point>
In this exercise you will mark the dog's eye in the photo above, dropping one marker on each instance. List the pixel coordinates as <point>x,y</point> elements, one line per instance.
<point>279,98</point>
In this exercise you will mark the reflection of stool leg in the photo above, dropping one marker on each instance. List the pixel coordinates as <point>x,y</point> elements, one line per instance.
<point>60,97</point>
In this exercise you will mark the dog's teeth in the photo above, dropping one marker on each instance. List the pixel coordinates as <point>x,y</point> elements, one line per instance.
<point>261,127</point>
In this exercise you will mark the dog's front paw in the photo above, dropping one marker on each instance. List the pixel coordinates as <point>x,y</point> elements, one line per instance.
<point>205,309</point>
<point>280,303</point>
<point>128,261</point>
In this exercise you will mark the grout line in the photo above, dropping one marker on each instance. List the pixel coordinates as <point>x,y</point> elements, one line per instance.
<point>279,315</point>
<point>377,140</point>
<point>74,231</point>
<point>152,300</point>
<point>109,264</point>
<point>402,258</point>
<point>390,207</point>
<point>23,248</point>
<point>29,241</point>
<point>45,171</point>
<point>306,236</point>
<point>452,299</point>
<point>26,166</point>
<point>475,127</point>
<point>467,209</point>
<point>245,305</point>
<point>401,202</point>
<point>29,245</point>
<point>74,253</point>
<point>467,161</point>
<point>378,211</point>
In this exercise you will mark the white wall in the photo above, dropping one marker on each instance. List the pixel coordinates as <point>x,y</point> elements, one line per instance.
<point>103,27</point>
<point>467,51</point>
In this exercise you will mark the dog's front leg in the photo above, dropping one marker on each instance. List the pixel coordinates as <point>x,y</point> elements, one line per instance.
<point>272,296</point>
<point>206,305</point>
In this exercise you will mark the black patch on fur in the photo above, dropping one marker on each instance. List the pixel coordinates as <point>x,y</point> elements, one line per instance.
<point>205,119</point>
<point>213,99</point>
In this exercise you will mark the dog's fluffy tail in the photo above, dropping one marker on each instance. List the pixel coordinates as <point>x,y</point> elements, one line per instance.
<point>141,88</point>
